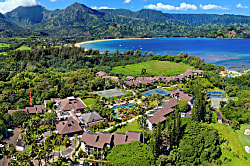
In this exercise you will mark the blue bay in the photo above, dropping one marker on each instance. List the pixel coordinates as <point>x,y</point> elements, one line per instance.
<point>232,53</point>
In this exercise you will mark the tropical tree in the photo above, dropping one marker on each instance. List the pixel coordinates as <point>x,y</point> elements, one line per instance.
<point>142,124</point>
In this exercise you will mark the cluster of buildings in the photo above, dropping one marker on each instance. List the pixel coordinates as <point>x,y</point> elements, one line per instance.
<point>167,108</point>
<point>135,81</point>
<point>70,117</point>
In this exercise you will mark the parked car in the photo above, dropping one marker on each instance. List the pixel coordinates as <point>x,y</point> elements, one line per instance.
<point>1,146</point>
<point>40,137</point>
<point>13,158</point>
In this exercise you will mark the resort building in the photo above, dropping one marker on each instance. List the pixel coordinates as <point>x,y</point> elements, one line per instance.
<point>96,142</point>
<point>90,119</point>
<point>68,126</point>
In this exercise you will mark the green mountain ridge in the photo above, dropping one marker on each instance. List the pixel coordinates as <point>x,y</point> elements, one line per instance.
<point>80,20</point>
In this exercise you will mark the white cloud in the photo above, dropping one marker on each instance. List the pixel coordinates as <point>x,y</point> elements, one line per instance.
<point>183,6</point>
<point>211,6</point>
<point>9,5</point>
<point>240,6</point>
<point>53,0</point>
<point>102,7</point>
<point>127,1</point>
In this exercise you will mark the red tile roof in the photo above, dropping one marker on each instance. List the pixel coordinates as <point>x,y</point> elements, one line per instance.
<point>101,74</point>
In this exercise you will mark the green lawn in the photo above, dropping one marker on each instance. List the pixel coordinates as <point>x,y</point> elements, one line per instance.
<point>4,45</point>
<point>62,147</point>
<point>3,53</point>
<point>89,101</point>
<point>235,151</point>
<point>129,127</point>
<point>154,68</point>
<point>24,48</point>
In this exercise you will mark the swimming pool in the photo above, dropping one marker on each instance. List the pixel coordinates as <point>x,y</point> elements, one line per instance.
<point>126,106</point>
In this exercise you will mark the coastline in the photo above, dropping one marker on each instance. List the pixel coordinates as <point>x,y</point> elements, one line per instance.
<point>93,41</point>
<point>100,40</point>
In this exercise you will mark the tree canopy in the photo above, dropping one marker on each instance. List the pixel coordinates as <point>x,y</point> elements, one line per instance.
<point>134,153</point>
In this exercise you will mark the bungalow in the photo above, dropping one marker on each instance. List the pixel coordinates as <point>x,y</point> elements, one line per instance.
<point>68,126</point>
<point>90,119</point>
<point>91,142</point>
<point>159,116</point>
<point>35,109</point>
<point>71,104</point>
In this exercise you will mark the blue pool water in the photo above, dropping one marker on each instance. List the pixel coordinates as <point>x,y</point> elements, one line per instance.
<point>232,53</point>
<point>119,106</point>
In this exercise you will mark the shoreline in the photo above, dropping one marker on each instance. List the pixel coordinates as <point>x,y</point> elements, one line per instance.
<point>100,40</point>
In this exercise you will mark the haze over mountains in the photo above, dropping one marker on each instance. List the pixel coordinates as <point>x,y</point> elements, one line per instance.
<point>78,19</point>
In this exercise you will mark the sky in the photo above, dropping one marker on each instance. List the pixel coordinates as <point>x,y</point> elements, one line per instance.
<point>241,7</point>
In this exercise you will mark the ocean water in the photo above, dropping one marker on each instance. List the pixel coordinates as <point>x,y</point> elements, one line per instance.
<point>234,54</point>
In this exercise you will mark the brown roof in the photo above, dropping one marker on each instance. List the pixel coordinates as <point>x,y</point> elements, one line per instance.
<point>31,110</point>
<point>175,91</point>
<point>96,139</point>
<point>130,77</point>
<point>101,73</point>
<point>160,115</point>
<point>171,103</point>
<point>11,111</point>
<point>184,96</point>
<point>68,126</point>
<point>119,138</point>
<point>71,104</point>
<point>39,108</point>
<point>156,118</point>
<point>133,136</point>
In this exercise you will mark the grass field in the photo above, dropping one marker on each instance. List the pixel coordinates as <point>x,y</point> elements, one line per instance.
<point>89,101</point>
<point>24,48</point>
<point>129,127</point>
<point>235,151</point>
<point>245,139</point>
<point>153,68</point>
<point>4,45</point>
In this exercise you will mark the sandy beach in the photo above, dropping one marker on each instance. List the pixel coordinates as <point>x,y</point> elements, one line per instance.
<point>93,41</point>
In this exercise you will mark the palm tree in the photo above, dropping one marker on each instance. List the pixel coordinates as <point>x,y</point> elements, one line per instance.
<point>75,139</point>
<point>59,141</point>
<point>142,123</point>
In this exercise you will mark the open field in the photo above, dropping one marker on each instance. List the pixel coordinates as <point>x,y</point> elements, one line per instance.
<point>234,152</point>
<point>129,127</point>
<point>153,68</point>
<point>24,48</point>
<point>4,45</point>
<point>89,101</point>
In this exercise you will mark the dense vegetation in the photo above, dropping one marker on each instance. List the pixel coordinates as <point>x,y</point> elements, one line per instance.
<point>135,153</point>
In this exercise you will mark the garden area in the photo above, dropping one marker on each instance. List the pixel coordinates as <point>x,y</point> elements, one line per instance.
<point>153,68</point>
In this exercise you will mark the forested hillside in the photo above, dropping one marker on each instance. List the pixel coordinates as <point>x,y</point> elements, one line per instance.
<point>78,20</point>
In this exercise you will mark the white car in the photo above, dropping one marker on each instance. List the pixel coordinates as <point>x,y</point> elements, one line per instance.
<point>1,146</point>
<point>13,158</point>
